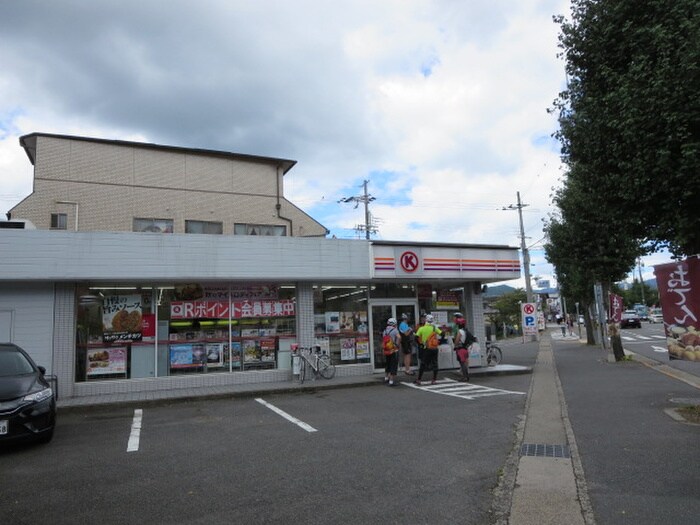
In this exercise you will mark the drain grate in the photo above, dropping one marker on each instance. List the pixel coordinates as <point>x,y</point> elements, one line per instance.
<point>544,451</point>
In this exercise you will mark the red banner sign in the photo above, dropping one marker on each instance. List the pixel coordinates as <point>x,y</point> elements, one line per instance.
<point>616,308</point>
<point>238,309</point>
<point>679,292</point>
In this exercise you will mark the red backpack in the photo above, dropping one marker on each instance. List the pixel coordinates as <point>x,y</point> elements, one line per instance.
<point>388,344</point>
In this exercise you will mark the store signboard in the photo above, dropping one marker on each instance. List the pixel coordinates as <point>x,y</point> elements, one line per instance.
<point>444,262</point>
<point>237,309</point>
<point>679,292</point>
<point>448,299</point>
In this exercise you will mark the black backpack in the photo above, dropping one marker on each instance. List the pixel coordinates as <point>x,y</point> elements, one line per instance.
<point>469,338</point>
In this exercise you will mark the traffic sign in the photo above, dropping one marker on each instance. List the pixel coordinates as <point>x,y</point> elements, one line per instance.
<point>529,316</point>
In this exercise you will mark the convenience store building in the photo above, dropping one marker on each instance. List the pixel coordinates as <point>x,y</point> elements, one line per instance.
<point>143,310</point>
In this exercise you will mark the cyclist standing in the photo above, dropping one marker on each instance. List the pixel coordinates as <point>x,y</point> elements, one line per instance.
<point>391,354</point>
<point>407,337</point>
<point>430,355</point>
<point>463,340</point>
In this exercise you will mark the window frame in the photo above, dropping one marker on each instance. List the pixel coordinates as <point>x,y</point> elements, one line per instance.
<point>204,225</point>
<point>56,219</point>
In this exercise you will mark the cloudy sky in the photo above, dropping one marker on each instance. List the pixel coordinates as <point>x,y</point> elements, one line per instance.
<point>440,104</point>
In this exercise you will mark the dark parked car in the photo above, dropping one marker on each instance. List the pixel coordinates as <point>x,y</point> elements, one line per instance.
<point>27,401</point>
<point>630,319</point>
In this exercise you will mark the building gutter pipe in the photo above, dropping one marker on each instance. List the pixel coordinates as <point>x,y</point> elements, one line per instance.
<point>278,206</point>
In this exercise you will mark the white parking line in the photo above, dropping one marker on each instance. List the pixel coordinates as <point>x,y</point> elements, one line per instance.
<point>286,416</point>
<point>135,436</point>
<point>450,387</point>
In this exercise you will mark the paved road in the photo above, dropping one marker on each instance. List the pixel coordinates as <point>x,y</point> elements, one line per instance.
<point>641,466</point>
<point>377,455</point>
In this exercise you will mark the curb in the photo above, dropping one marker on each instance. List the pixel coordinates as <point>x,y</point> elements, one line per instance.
<point>674,373</point>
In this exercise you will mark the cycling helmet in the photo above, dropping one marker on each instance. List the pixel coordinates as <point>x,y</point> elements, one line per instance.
<point>429,318</point>
<point>391,321</point>
<point>457,314</point>
<point>404,316</point>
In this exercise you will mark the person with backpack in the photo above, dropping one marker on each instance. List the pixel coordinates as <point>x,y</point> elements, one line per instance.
<point>407,337</point>
<point>391,340</point>
<point>463,340</point>
<point>429,338</point>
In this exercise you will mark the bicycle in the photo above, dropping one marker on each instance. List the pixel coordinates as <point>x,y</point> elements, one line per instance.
<point>318,361</point>
<point>494,355</point>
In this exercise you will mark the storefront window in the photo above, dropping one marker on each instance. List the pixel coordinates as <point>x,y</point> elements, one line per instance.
<point>197,328</point>
<point>341,323</point>
<point>115,336</point>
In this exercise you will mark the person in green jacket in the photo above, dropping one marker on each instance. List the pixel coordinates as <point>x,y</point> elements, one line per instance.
<point>430,354</point>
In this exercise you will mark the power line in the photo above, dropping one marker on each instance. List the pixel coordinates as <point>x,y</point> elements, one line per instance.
<point>369,226</point>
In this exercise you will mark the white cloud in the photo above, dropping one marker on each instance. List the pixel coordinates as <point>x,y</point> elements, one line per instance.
<point>441,104</point>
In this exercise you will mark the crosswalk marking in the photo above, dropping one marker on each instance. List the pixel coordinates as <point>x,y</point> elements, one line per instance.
<point>450,387</point>
<point>638,337</point>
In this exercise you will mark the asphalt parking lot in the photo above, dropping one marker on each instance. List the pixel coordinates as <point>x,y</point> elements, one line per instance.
<point>375,454</point>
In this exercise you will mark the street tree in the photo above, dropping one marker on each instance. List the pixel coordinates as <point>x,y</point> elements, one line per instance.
<point>507,308</point>
<point>583,243</point>
<point>630,116</point>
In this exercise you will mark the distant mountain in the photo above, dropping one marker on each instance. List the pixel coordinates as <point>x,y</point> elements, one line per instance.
<point>498,290</point>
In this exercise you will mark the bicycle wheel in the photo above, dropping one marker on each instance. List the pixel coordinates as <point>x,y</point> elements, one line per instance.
<point>494,356</point>
<point>325,367</point>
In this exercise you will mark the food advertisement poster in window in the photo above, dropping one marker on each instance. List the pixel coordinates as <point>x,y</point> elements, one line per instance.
<point>250,352</point>
<point>122,318</point>
<point>362,349</point>
<point>347,349</point>
<point>267,349</point>
<point>106,361</point>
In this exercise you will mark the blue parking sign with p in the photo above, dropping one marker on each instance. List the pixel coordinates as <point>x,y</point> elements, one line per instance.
<point>529,320</point>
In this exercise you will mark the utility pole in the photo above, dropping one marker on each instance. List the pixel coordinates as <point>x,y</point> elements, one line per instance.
<point>365,198</point>
<point>523,247</point>
<point>641,279</point>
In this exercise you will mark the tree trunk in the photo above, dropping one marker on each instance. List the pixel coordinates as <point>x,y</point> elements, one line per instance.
<point>616,341</point>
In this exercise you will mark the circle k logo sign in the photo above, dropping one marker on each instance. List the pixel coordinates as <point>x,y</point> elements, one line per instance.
<point>409,262</point>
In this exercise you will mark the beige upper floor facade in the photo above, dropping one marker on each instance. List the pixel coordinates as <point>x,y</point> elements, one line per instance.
<point>87,184</point>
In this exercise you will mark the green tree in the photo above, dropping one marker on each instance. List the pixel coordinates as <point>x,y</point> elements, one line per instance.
<point>583,245</point>
<point>630,116</point>
<point>508,308</point>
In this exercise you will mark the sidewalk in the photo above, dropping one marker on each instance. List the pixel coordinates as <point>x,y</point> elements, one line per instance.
<point>546,489</point>
<point>256,389</point>
<point>604,425</point>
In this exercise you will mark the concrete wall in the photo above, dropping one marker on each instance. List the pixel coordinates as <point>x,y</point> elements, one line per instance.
<point>113,184</point>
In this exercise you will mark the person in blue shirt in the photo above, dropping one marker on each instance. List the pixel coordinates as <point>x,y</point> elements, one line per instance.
<point>407,338</point>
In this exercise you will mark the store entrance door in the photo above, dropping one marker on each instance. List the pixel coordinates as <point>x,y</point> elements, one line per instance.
<point>381,311</point>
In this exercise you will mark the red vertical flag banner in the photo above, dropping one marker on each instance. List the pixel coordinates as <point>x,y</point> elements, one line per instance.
<point>679,292</point>
<point>616,307</point>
